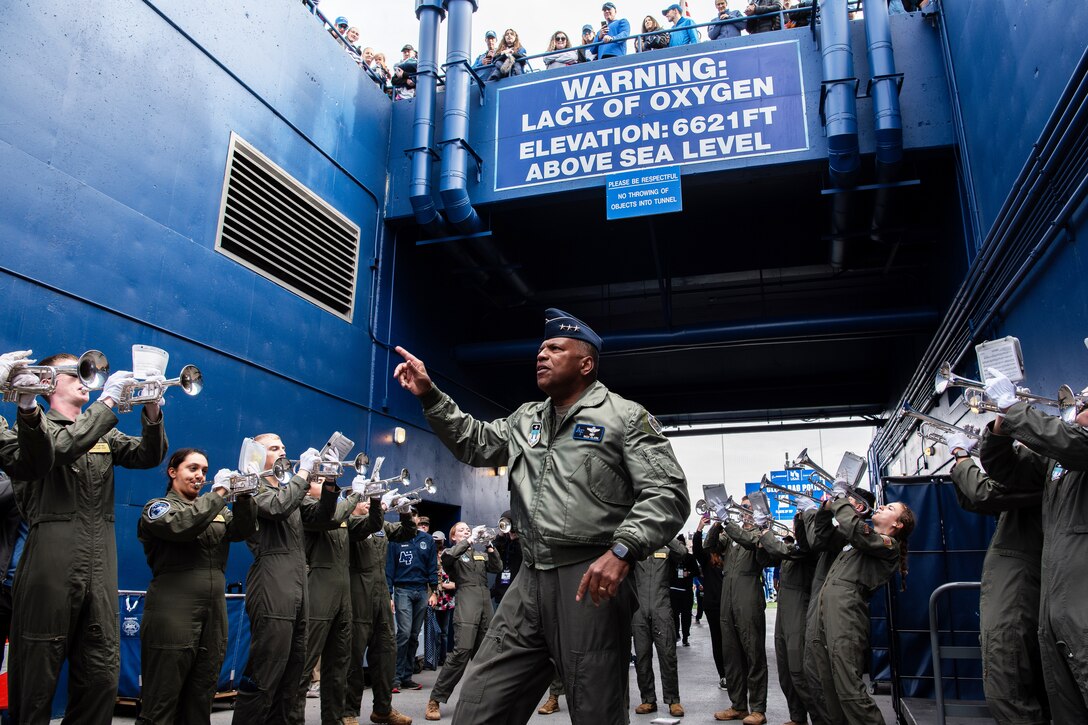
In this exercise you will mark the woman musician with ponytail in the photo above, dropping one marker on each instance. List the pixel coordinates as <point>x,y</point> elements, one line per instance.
<point>873,554</point>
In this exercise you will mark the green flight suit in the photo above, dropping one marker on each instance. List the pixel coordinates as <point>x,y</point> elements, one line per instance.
<point>467,568</point>
<point>26,452</point>
<point>277,599</point>
<point>842,616</point>
<point>65,592</point>
<point>797,568</point>
<point>601,474</point>
<point>371,610</point>
<point>655,626</point>
<point>1012,670</point>
<point>328,629</point>
<point>825,538</point>
<point>743,615</point>
<point>1054,460</point>
<point>183,639</point>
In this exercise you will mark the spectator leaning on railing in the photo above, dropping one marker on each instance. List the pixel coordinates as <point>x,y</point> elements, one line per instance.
<point>564,54</point>
<point>681,33</point>
<point>651,42</point>
<point>722,30</point>
<point>509,57</point>
<point>763,16</point>
<point>485,59</point>
<point>587,54</point>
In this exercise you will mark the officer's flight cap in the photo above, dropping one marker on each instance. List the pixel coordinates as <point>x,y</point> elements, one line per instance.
<point>562,324</point>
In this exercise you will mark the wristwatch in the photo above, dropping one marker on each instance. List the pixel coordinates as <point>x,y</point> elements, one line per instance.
<point>620,551</point>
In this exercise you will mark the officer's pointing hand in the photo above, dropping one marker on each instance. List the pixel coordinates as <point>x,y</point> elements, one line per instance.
<point>412,373</point>
<point>602,579</point>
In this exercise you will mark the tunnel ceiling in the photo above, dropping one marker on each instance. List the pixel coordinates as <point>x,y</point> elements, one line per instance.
<point>748,248</point>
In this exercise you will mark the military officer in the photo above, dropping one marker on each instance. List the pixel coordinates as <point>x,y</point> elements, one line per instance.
<point>595,487</point>
<point>276,592</point>
<point>372,612</point>
<point>1012,670</point>
<point>744,623</point>
<point>328,629</point>
<point>842,605</point>
<point>468,569</point>
<point>65,591</point>
<point>798,566</point>
<point>654,625</point>
<point>1053,460</point>
<point>186,538</point>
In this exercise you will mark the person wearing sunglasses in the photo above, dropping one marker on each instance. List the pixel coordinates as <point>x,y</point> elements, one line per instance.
<point>564,54</point>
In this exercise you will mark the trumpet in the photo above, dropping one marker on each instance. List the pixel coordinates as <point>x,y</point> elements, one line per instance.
<point>762,505</point>
<point>142,392</point>
<point>414,497</point>
<point>92,369</point>
<point>1070,404</point>
<point>243,483</point>
<point>490,533</point>
<point>803,461</point>
<point>284,468</point>
<point>767,485</point>
<point>976,389</point>
<point>940,425</point>
<point>730,508</point>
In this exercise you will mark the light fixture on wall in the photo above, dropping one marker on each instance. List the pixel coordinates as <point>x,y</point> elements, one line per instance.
<point>501,470</point>
<point>399,435</point>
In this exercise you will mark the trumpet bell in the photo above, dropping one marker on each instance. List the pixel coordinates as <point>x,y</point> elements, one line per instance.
<point>191,380</point>
<point>505,525</point>
<point>943,378</point>
<point>93,368</point>
<point>361,463</point>
<point>429,486</point>
<point>701,507</point>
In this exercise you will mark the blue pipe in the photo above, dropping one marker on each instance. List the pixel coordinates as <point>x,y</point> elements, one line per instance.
<point>887,118</point>
<point>718,334</point>
<point>453,183</point>
<point>841,118</point>
<point>430,14</point>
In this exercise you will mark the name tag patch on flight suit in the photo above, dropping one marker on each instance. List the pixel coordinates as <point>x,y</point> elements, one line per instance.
<point>158,509</point>
<point>588,432</point>
<point>534,434</point>
<point>479,557</point>
<point>220,519</point>
<point>100,447</point>
<point>661,555</point>
<point>1057,472</point>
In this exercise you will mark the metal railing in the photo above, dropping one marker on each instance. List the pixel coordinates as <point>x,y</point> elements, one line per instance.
<point>951,652</point>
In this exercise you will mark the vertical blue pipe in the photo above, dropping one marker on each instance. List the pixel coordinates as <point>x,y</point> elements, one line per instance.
<point>841,114</point>
<point>887,118</point>
<point>430,14</point>
<point>453,181</point>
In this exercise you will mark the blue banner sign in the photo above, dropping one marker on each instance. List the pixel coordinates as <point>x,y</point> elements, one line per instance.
<point>794,480</point>
<point>705,106</point>
<point>643,192</point>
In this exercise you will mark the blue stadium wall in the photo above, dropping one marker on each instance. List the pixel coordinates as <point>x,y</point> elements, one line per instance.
<point>115,120</point>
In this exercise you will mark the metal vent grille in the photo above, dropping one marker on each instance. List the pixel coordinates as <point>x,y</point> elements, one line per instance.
<point>275,226</point>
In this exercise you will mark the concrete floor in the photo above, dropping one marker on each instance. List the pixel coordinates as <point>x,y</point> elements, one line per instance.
<point>699,691</point>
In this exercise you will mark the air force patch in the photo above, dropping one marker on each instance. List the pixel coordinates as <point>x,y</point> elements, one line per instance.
<point>158,509</point>
<point>534,434</point>
<point>651,424</point>
<point>588,432</point>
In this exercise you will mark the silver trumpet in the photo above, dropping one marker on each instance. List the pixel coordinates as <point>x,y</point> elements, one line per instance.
<point>803,461</point>
<point>1070,404</point>
<point>974,394</point>
<point>142,392</point>
<point>414,497</point>
<point>938,424</point>
<point>243,483</point>
<point>767,485</point>
<point>732,510</point>
<point>284,468</point>
<point>92,369</point>
<point>490,533</point>
<point>762,504</point>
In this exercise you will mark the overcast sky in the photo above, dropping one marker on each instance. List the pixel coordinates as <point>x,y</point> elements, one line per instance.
<point>388,26</point>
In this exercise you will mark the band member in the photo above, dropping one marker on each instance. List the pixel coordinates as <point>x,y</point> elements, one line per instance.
<point>744,623</point>
<point>654,625</point>
<point>798,566</point>
<point>468,569</point>
<point>27,452</point>
<point>183,639</point>
<point>1053,459</point>
<point>1012,669</point>
<point>595,487</point>
<point>65,591</point>
<point>372,613</point>
<point>276,592</point>
<point>842,605</point>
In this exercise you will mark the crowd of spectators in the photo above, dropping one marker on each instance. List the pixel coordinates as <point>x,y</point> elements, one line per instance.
<point>505,56</point>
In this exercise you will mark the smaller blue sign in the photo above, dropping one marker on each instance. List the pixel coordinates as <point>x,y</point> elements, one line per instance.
<point>644,192</point>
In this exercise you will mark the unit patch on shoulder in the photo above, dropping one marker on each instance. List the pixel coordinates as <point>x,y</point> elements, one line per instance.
<point>888,541</point>
<point>651,424</point>
<point>379,532</point>
<point>588,432</point>
<point>865,529</point>
<point>158,509</point>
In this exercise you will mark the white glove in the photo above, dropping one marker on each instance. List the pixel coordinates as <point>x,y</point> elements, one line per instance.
<point>307,461</point>
<point>841,488</point>
<point>25,380</point>
<point>477,532</point>
<point>115,383</point>
<point>403,504</point>
<point>806,504</point>
<point>222,481</point>
<point>156,379</point>
<point>358,484</point>
<point>760,519</point>
<point>959,440</point>
<point>10,360</point>
<point>1000,389</point>
<point>388,498</point>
